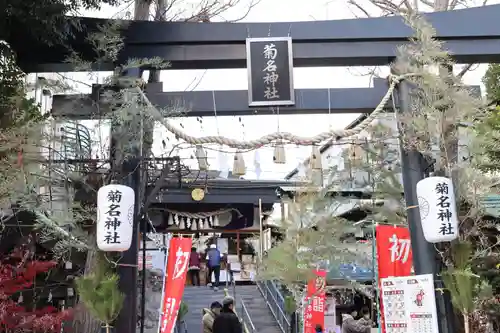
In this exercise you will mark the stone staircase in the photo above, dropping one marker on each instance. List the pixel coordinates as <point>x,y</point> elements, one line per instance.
<point>257,308</point>
<point>198,298</point>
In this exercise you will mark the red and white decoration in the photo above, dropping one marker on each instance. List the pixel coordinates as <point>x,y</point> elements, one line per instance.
<point>314,312</point>
<point>394,255</point>
<point>174,281</point>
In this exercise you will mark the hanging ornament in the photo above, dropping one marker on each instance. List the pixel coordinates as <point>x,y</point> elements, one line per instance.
<point>239,164</point>
<point>116,237</point>
<point>170,219</point>
<point>216,221</point>
<point>279,153</point>
<point>70,292</point>
<point>315,160</point>
<point>176,220</point>
<point>188,222</point>
<point>49,298</point>
<point>182,224</point>
<point>20,299</point>
<point>201,156</point>
<point>438,211</point>
<point>194,225</point>
<point>256,163</point>
<point>68,265</point>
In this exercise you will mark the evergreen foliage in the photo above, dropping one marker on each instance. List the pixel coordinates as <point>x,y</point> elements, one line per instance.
<point>99,292</point>
<point>466,288</point>
<point>42,19</point>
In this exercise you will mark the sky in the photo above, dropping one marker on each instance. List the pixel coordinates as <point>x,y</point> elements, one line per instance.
<point>251,127</point>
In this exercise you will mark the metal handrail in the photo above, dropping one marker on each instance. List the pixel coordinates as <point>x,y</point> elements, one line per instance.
<point>246,316</point>
<point>277,308</point>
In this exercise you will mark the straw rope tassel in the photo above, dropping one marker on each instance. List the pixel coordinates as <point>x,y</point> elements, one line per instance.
<point>279,153</point>
<point>315,161</point>
<point>201,156</point>
<point>239,164</point>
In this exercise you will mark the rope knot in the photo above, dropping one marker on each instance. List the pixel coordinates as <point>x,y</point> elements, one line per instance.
<point>395,79</point>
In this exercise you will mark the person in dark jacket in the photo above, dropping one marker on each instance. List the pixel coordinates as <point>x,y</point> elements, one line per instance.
<point>209,316</point>
<point>194,267</point>
<point>213,262</point>
<point>227,321</point>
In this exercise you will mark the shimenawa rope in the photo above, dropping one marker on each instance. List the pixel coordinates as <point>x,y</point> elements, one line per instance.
<point>285,136</point>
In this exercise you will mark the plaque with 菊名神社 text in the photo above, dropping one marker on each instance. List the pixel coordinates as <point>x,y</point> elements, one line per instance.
<point>270,71</point>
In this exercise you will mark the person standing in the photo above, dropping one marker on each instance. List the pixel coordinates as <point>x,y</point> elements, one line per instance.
<point>227,321</point>
<point>194,267</point>
<point>351,325</point>
<point>365,317</point>
<point>213,262</point>
<point>209,316</point>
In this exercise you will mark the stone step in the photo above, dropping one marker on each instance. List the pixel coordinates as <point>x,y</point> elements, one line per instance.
<point>198,298</point>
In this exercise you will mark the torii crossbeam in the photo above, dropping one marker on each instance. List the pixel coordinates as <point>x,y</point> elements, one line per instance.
<point>471,35</point>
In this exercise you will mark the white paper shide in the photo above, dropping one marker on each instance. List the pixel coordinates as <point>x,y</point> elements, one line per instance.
<point>115,217</point>
<point>438,212</point>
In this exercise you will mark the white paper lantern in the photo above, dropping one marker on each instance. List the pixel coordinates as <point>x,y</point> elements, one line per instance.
<point>115,217</point>
<point>438,211</point>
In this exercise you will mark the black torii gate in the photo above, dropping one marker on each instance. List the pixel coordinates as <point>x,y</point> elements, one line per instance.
<point>471,36</point>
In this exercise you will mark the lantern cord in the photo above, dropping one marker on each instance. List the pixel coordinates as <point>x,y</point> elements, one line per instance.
<point>285,136</point>
<point>117,262</point>
<point>411,207</point>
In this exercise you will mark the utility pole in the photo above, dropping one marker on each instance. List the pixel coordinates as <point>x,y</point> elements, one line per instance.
<point>425,260</point>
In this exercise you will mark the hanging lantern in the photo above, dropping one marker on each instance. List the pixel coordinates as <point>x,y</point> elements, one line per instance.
<point>279,153</point>
<point>239,164</point>
<point>438,211</point>
<point>115,217</point>
<point>315,160</point>
<point>201,156</point>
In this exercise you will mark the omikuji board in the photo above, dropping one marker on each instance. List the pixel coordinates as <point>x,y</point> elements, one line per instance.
<point>409,304</point>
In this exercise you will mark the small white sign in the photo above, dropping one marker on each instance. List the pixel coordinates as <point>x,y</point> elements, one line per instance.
<point>409,304</point>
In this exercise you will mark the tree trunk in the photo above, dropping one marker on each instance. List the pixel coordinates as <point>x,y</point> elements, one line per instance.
<point>83,321</point>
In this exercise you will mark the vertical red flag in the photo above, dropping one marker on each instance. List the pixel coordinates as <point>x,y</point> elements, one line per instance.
<point>314,313</point>
<point>173,288</point>
<point>394,255</point>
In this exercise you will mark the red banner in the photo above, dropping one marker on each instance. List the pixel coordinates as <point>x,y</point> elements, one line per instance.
<point>173,288</point>
<point>394,256</point>
<point>314,313</point>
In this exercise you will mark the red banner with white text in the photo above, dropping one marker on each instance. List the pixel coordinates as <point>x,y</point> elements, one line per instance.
<point>314,313</point>
<point>175,279</point>
<point>394,255</point>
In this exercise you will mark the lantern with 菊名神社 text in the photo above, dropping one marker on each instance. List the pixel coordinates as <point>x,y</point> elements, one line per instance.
<point>115,217</point>
<point>438,211</point>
